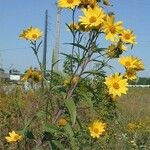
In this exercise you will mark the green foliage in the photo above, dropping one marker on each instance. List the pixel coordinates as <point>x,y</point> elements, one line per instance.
<point>72,110</point>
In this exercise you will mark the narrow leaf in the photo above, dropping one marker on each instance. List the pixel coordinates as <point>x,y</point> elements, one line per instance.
<point>72,109</point>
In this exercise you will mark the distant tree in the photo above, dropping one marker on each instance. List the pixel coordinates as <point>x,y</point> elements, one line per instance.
<point>143,81</point>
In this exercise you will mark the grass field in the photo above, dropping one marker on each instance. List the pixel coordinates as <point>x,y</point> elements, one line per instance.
<point>133,113</point>
<point>136,104</point>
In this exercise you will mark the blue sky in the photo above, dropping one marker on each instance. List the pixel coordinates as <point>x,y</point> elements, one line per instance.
<point>16,15</point>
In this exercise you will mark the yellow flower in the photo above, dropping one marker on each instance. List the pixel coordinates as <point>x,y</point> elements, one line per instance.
<point>27,75</point>
<point>23,34</point>
<point>13,137</point>
<point>128,62</point>
<point>92,17</point>
<point>86,3</point>
<point>97,128</point>
<point>62,121</point>
<point>115,50</point>
<point>122,47</point>
<point>112,29</point>
<point>138,64</point>
<point>128,36</point>
<point>130,74</point>
<point>116,85</point>
<point>131,62</point>
<point>68,3</point>
<point>31,34</point>
<point>34,75</point>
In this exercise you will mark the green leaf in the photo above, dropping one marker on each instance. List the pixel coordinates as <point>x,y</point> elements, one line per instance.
<point>94,72</point>
<point>70,133</point>
<point>72,109</point>
<point>70,56</point>
<point>40,114</point>
<point>79,46</point>
<point>88,99</point>
<point>28,134</point>
<point>50,128</point>
<point>47,136</point>
<point>58,144</point>
<point>100,49</point>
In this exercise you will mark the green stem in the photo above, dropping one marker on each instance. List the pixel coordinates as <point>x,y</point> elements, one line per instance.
<point>74,35</point>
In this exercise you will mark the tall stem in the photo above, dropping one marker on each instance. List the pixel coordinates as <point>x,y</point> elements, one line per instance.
<point>73,33</point>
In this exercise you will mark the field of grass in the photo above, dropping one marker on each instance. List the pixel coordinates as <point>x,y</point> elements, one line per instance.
<point>133,115</point>
<point>135,105</point>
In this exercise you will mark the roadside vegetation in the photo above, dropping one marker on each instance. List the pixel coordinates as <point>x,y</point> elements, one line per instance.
<point>79,108</point>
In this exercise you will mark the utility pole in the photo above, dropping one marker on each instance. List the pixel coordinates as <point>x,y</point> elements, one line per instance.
<point>57,39</point>
<point>45,43</point>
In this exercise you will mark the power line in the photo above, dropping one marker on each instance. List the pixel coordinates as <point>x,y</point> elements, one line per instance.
<point>9,49</point>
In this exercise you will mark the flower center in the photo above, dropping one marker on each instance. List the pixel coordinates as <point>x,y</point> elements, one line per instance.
<point>15,137</point>
<point>127,36</point>
<point>127,63</point>
<point>130,73</point>
<point>116,85</point>
<point>92,19</point>
<point>96,130</point>
<point>112,29</point>
<point>34,36</point>
<point>70,1</point>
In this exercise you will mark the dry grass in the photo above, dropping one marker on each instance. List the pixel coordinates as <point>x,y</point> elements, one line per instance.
<point>135,106</point>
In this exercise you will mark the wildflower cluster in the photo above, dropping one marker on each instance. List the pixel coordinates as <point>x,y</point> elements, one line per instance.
<point>132,65</point>
<point>96,21</point>
<point>86,94</point>
<point>32,74</point>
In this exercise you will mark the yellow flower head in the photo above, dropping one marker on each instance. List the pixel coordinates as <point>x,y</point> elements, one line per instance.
<point>128,36</point>
<point>13,137</point>
<point>131,62</point>
<point>31,34</point>
<point>34,75</point>
<point>127,61</point>
<point>138,64</point>
<point>115,50</point>
<point>86,3</point>
<point>27,75</point>
<point>122,47</point>
<point>116,85</point>
<point>112,29</point>
<point>62,121</point>
<point>130,74</point>
<point>92,17</point>
<point>68,3</point>
<point>97,128</point>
